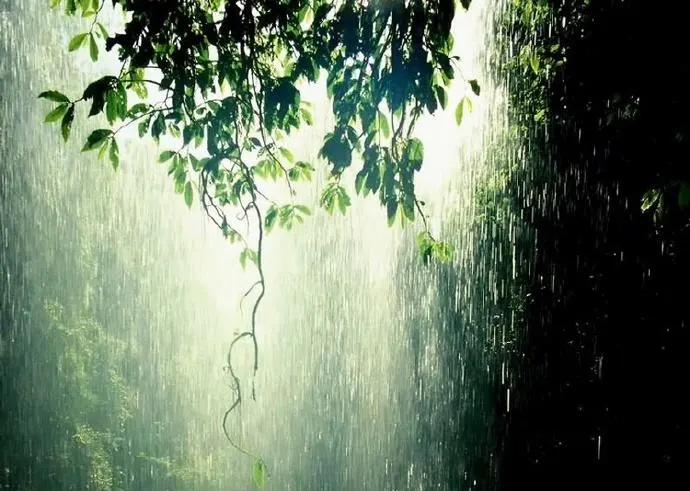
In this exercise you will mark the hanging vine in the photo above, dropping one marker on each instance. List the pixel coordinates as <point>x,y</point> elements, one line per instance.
<point>227,74</point>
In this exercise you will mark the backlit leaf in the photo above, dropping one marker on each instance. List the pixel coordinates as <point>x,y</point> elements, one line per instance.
<point>303,209</point>
<point>102,30</point>
<point>166,155</point>
<point>270,218</point>
<point>54,95</point>
<point>114,154</point>
<point>56,113</point>
<point>383,126</point>
<point>93,48</point>
<point>77,41</point>
<point>463,107</point>
<point>96,139</point>
<point>649,199</point>
<point>188,194</point>
<point>534,63</point>
<point>288,155</point>
<point>259,474</point>
<point>66,125</point>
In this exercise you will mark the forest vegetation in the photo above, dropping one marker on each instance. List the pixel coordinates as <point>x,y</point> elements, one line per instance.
<point>595,311</point>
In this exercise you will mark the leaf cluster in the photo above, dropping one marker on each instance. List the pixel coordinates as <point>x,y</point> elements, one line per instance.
<point>229,75</point>
<point>220,83</point>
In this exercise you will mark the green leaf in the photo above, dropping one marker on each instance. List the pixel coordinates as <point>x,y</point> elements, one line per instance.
<point>265,169</point>
<point>137,109</point>
<point>327,200</point>
<point>463,107</point>
<point>469,107</point>
<point>187,134</point>
<point>70,7</point>
<point>306,169</point>
<point>441,95</point>
<point>211,165</point>
<point>343,199</point>
<point>391,210</point>
<point>259,474</point>
<point>425,243</point>
<point>415,152</point>
<point>56,113</point>
<point>459,112</point>
<point>66,126</point>
<point>337,151</point>
<point>103,150</point>
<point>96,139</point>
<point>382,124</point>
<point>307,116</point>
<point>359,181</point>
<point>649,199</point>
<point>111,108</point>
<point>247,255</point>
<point>408,207</point>
<point>158,127</point>
<point>303,209</point>
<point>93,48</point>
<point>140,90</point>
<point>270,218</point>
<point>195,162</point>
<point>229,233</point>
<point>429,247</point>
<point>114,154</point>
<point>121,93</point>
<point>102,30</point>
<point>188,194</point>
<point>534,63</point>
<point>286,216</point>
<point>302,14</point>
<point>77,41</point>
<point>287,154</point>
<point>423,239</point>
<point>166,155</point>
<point>474,85</point>
<point>143,127</point>
<point>97,91</point>
<point>442,252</point>
<point>54,95</point>
<point>179,183</point>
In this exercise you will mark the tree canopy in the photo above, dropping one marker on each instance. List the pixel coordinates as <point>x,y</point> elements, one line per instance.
<point>228,75</point>
<point>223,80</point>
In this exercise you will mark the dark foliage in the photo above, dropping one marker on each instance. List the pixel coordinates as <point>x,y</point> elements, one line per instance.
<point>601,384</point>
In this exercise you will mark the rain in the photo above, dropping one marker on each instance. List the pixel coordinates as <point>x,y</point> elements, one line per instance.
<point>499,369</point>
